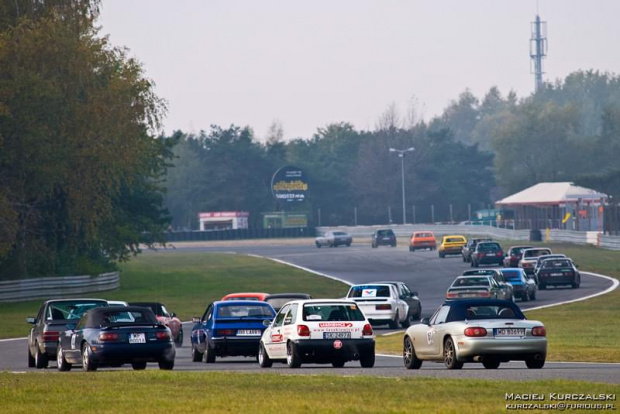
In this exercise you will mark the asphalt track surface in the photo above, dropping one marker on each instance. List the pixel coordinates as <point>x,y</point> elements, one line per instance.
<point>423,271</point>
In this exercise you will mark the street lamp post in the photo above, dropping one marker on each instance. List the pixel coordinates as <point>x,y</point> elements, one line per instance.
<point>401,155</point>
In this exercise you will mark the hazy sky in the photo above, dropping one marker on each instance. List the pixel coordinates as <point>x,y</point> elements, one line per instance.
<point>311,63</point>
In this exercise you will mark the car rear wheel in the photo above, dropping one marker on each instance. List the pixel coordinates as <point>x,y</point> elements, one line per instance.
<point>491,363</point>
<point>40,359</point>
<point>31,361</point>
<point>338,364</point>
<point>87,360</point>
<point>394,324</point>
<point>533,295</point>
<point>62,363</point>
<point>263,359</point>
<point>348,244</point>
<point>139,366</point>
<point>408,321</point>
<point>367,360</point>
<point>166,364</point>
<point>525,296</point>
<point>196,355</point>
<point>292,359</point>
<point>576,284</point>
<point>179,341</point>
<point>449,355</point>
<point>209,354</point>
<point>533,363</point>
<point>411,249</point>
<point>409,357</point>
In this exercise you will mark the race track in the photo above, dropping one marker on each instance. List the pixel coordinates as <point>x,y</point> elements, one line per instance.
<point>422,271</point>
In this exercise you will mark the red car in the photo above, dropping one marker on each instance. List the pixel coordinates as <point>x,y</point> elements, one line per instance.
<point>169,319</point>
<point>260,296</point>
<point>514,255</point>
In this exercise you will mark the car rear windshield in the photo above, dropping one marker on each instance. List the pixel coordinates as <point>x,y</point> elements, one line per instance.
<point>479,311</point>
<point>454,240</point>
<point>332,312</point>
<point>552,263</point>
<point>425,235</point>
<point>71,309</point>
<point>370,291</point>
<point>340,233</point>
<point>536,253</point>
<point>487,247</point>
<point>471,281</point>
<point>385,233</point>
<point>120,316</point>
<point>244,311</point>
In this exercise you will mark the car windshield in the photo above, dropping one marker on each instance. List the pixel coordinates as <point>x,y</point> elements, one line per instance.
<point>71,309</point>
<point>369,291</point>
<point>478,311</point>
<point>512,275</point>
<point>244,311</point>
<point>555,263</point>
<point>535,253</point>
<point>425,235</point>
<point>454,240</point>
<point>332,312</point>
<point>471,281</point>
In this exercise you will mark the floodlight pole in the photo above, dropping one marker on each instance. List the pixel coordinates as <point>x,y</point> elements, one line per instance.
<point>401,155</point>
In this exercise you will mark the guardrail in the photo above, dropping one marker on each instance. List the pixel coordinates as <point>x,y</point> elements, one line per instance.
<point>57,287</point>
<point>609,242</point>
<point>237,234</point>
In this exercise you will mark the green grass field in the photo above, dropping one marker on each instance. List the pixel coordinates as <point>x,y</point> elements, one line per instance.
<point>217,392</point>
<point>187,282</point>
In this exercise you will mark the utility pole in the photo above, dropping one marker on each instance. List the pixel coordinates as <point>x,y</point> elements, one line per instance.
<point>401,155</point>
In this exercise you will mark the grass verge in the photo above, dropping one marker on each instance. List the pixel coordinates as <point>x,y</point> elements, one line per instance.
<point>582,331</point>
<point>217,392</point>
<point>187,282</point>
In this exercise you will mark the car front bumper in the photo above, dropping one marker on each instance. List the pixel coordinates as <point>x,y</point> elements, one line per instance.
<point>325,351</point>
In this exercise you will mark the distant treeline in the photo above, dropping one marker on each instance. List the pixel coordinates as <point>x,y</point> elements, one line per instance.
<point>477,151</point>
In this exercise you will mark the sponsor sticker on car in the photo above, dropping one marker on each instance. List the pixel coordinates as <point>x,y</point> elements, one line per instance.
<point>369,293</point>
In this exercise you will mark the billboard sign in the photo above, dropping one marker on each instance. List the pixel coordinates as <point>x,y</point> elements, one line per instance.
<point>288,184</point>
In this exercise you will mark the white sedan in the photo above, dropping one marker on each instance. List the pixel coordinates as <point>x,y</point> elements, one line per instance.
<point>333,239</point>
<point>318,331</point>
<point>476,330</point>
<point>381,304</point>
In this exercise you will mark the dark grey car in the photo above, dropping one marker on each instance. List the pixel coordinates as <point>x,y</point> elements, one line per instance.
<point>51,321</point>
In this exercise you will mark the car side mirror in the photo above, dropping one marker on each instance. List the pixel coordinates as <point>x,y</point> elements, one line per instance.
<point>414,294</point>
<point>266,323</point>
<point>173,315</point>
<point>30,320</point>
<point>195,319</point>
<point>425,321</point>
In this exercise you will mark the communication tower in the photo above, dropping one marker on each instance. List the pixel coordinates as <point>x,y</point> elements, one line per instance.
<point>538,50</point>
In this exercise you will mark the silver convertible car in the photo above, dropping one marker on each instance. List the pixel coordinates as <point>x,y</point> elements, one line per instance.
<point>476,330</point>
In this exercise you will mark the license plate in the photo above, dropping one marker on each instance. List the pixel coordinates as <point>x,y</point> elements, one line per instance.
<point>468,295</point>
<point>386,238</point>
<point>557,274</point>
<point>490,254</point>
<point>336,335</point>
<point>248,332</point>
<point>509,331</point>
<point>137,338</point>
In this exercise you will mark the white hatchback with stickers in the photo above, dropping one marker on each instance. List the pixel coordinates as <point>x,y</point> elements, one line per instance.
<point>319,331</point>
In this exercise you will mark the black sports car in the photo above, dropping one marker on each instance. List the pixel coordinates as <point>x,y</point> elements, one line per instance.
<point>115,336</point>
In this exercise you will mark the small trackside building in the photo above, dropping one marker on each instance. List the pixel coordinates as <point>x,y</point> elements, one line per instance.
<point>223,220</point>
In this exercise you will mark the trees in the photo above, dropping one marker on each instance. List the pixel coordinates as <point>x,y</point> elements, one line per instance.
<point>77,119</point>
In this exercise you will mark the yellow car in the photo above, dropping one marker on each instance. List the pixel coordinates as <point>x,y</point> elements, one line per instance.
<point>451,245</point>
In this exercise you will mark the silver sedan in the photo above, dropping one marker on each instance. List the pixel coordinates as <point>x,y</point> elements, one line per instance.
<point>486,331</point>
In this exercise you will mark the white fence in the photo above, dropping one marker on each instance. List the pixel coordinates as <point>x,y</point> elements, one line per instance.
<point>57,287</point>
<point>609,242</point>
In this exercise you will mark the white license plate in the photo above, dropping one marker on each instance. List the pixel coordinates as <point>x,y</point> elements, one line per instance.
<point>557,274</point>
<point>248,332</point>
<point>490,254</point>
<point>336,335</point>
<point>509,332</point>
<point>137,338</point>
<point>468,295</point>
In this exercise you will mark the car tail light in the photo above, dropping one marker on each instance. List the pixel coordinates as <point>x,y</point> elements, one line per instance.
<point>452,295</point>
<point>480,254</point>
<point>500,253</point>
<point>475,331</point>
<point>162,335</point>
<point>225,332</point>
<point>385,306</point>
<point>108,336</point>
<point>539,331</point>
<point>485,294</point>
<point>367,331</point>
<point>51,336</point>
<point>303,330</point>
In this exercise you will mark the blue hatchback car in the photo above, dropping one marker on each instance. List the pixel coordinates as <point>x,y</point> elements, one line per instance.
<point>524,287</point>
<point>229,328</point>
